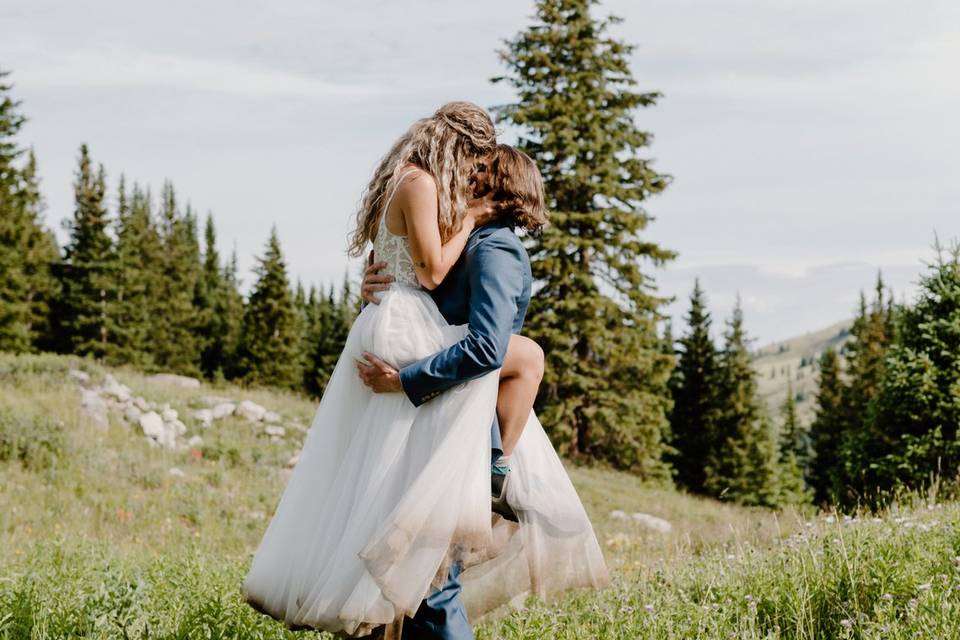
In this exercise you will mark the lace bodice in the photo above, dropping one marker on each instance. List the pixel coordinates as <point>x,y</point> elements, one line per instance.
<point>395,251</point>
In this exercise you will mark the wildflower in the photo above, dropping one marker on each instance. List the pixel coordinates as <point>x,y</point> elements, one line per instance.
<point>648,608</point>
<point>886,597</point>
<point>924,587</point>
<point>846,623</point>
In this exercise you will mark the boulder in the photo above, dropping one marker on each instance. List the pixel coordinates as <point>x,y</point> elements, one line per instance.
<point>212,401</point>
<point>80,376</point>
<point>114,389</point>
<point>204,417</point>
<point>652,522</point>
<point>176,427</point>
<point>169,415</point>
<point>177,473</point>
<point>619,515</point>
<point>141,404</point>
<point>292,462</point>
<point>132,413</point>
<point>223,410</point>
<point>275,430</point>
<point>195,442</point>
<point>272,417</point>
<point>94,407</point>
<point>173,380</point>
<point>251,411</point>
<point>152,425</point>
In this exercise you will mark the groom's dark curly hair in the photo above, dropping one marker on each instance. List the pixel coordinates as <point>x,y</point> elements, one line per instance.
<point>517,188</point>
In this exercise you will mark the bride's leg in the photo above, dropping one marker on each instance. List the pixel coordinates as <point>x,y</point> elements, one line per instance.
<point>520,379</point>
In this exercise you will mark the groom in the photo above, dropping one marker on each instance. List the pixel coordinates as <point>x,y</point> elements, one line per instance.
<point>488,290</point>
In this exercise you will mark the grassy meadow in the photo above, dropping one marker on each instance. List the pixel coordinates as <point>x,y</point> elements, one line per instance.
<point>104,536</point>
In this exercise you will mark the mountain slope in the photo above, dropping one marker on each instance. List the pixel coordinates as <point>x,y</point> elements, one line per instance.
<point>795,360</point>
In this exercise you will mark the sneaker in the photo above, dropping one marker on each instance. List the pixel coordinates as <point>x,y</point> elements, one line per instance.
<point>499,504</point>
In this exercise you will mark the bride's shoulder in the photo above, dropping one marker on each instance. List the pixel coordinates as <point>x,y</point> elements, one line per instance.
<point>416,183</point>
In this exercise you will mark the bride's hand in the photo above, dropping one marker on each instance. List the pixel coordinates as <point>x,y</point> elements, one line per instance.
<point>480,211</point>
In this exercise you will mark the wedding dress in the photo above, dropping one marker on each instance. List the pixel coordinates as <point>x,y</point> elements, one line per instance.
<point>386,495</point>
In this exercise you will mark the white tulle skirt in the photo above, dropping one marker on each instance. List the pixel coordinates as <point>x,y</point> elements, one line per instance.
<point>386,495</point>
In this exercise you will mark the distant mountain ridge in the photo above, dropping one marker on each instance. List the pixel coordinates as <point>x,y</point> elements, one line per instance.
<point>796,360</point>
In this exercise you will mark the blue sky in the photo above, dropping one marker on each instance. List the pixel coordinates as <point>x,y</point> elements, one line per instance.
<point>811,142</point>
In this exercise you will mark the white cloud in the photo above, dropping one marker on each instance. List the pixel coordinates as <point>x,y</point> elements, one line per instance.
<point>125,66</point>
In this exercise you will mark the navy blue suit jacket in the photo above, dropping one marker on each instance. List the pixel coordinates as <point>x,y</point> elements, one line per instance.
<point>489,290</point>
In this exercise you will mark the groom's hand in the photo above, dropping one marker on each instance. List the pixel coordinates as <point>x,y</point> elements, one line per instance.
<point>378,375</point>
<point>374,282</point>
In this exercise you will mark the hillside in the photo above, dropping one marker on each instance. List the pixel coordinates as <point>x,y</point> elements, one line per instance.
<point>119,525</point>
<point>795,360</point>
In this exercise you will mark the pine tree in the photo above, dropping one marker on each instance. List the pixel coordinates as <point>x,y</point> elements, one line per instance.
<point>174,329</point>
<point>138,256</point>
<point>828,430</point>
<point>917,409</point>
<point>270,343</point>
<point>232,317</point>
<point>605,390</point>
<point>866,355</point>
<point>89,271</point>
<point>28,251</point>
<point>694,396</point>
<point>743,464</point>
<point>218,319</point>
<point>795,454</point>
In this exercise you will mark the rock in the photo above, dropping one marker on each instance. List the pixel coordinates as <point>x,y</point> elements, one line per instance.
<point>292,462</point>
<point>113,388</point>
<point>169,415</point>
<point>176,427</point>
<point>195,442</point>
<point>177,473</point>
<point>172,380</point>
<point>251,411</point>
<point>619,515</point>
<point>275,430</point>
<point>132,413</point>
<point>80,376</point>
<point>94,407</point>
<point>153,427</point>
<point>272,417</point>
<point>652,522</point>
<point>297,426</point>
<point>223,410</point>
<point>286,474</point>
<point>141,404</point>
<point>204,417</point>
<point>212,401</point>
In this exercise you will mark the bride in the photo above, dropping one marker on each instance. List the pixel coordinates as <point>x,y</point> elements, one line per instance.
<point>387,495</point>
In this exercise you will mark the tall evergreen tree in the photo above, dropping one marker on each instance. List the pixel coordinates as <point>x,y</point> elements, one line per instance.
<point>795,453</point>
<point>866,355</point>
<point>694,396</point>
<point>828,429</point>
<point>916,415</point>
<point>138,256</point>
<point>605,390</point>
<point>231,314</point>
<point>743,464</point>
<point>174,330</point>
<point>89,273</point>
<point>218,320</point>
<point>27,249</point>
<point>270,344</point>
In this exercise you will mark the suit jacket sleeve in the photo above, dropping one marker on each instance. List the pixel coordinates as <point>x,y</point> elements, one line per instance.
<point>496,278</point>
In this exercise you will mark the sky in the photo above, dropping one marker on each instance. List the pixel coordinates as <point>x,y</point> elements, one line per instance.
<point>811,143</point>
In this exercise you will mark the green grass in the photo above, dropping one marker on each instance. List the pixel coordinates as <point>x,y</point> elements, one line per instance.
<point>99,540</point>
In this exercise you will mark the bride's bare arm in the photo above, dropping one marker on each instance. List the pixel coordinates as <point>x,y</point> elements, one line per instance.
<point>432,259</point>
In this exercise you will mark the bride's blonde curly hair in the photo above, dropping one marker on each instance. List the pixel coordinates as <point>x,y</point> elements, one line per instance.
<point>447,145</point>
